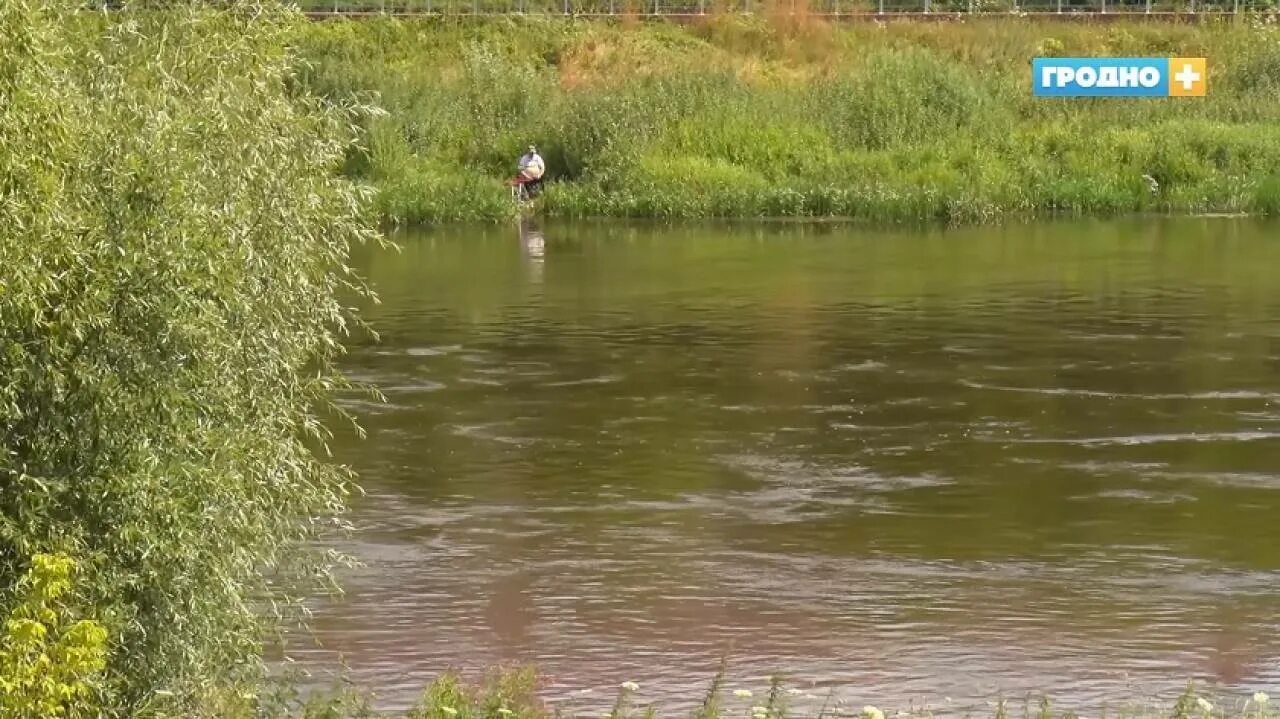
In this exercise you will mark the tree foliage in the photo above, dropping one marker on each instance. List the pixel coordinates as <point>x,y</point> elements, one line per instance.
<point>173,239</point>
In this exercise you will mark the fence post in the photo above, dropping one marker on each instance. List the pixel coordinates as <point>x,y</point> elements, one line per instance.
<point>1104,7</point>
<point>1059,7</point>
<point>1148,7</point>
<point>926,7</point>
<point>880,7</point>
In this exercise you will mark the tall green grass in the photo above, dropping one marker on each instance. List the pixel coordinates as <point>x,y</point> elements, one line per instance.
<point>784,115</point>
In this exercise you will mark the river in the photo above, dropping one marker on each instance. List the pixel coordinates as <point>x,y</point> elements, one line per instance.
<point>896,466</point>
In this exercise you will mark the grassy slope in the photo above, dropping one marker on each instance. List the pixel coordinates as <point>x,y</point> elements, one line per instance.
<point>789,116</point>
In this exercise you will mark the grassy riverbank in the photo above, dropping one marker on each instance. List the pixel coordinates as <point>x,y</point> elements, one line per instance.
<point>788,116</point>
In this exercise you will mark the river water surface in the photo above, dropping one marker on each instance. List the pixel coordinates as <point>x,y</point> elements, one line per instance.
<point>900,466</point>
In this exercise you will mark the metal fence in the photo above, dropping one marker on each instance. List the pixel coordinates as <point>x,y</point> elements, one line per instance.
<point>851,9</point>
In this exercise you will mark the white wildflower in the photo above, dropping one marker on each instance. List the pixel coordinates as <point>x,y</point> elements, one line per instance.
<point>870,712</point>
<point>744,693</point>
<point>1260,698</point>
<point>631,686</point>
<point>1204,704</point>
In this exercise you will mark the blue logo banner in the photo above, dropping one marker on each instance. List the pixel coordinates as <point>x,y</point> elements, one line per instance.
<point>1117,77</point>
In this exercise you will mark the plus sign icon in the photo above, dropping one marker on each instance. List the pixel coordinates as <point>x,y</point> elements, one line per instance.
<point>1187,77</point>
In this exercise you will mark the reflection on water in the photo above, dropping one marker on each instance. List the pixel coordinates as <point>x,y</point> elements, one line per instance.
<point>531,239</point>
<point>897,465</point>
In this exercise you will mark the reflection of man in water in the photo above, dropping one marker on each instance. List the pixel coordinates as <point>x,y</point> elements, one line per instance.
<point>531,239</point>
<point>510,612</point>
<point>1235,655</point>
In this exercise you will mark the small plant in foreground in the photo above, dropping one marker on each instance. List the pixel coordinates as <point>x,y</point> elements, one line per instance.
<point>50,662</point>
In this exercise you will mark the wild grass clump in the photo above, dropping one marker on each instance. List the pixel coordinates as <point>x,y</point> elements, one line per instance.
<point>903,98</point>
<point>783,113</point>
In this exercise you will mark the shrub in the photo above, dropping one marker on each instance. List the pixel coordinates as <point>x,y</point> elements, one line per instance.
<point>175,236</point>
<point>901,98</point>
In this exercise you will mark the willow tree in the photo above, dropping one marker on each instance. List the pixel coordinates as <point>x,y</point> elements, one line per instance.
<point>173,244</point>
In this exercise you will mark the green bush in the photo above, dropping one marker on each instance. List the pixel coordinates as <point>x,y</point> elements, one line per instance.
<point>900,98</point>
<point>174,243</point>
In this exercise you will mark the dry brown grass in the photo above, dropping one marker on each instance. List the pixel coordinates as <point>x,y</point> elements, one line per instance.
<point>631,14</point>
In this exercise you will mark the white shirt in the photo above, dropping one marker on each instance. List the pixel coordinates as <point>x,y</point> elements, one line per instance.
<point>532,162</point>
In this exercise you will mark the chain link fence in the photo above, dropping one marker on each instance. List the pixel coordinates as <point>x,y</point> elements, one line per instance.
<point>836,9</point>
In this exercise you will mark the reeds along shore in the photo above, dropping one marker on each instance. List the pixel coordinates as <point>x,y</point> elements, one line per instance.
<point>783,114</point>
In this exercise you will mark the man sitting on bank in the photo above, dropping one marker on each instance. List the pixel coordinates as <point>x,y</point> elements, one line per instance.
<point>531,168</point>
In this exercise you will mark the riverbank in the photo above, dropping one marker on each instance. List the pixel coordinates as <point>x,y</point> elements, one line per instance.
<point>786,116</point>
<point>515,695</point>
